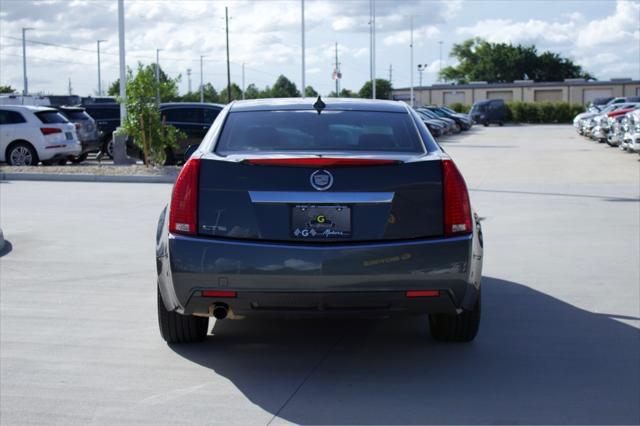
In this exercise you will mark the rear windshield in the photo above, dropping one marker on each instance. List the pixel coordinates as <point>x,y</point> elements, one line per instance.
<point>51,117</point>
<point>76,115</point>
<point>257,131</point>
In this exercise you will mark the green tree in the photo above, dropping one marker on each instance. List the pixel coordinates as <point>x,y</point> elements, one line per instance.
<point>236,93</point>
<point>284,88</point>
<point>252,92</point>
<point>210,94</point>
<point>143,122</point>
<point>7,89</point>
<point>479,60</point>
<point>383,89</point>
<point>310,92</point>
<point>168,86</point>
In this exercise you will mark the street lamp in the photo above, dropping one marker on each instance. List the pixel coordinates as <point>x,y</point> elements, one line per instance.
<point>25,90</point>
<point>99,77</point>
<point>421,68</point>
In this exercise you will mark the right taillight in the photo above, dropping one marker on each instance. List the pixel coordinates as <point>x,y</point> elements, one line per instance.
<point>50,130</point>
<point>457,210</point>
<point>183,214</point>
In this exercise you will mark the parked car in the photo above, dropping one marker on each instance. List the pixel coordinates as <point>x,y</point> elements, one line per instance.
<point>193,119</point>
<point>346,206</point>
<point>462,120</point>
<point>90,100</point>
<point>588,122</point>
<point>30,134</point>
<point>87,131</point>
<point>107,118</point>
<point>489,111</point>
<point>630,127</point>
<point>599,102</point>
<point>451,125</point>
<point>430,118</point>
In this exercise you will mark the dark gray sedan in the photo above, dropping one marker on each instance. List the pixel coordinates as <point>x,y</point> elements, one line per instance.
<point>335,207</point>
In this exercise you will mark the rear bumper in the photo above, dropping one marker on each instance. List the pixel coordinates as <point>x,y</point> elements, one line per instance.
<point>55,151</point>
<point>319,278</point>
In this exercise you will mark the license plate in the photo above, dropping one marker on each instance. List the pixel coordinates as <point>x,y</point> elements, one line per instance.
<point>320,222</point>
<point>68,135</point>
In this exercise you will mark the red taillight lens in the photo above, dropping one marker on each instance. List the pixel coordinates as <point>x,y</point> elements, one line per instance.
<point>320,162</point>
<point>218,293</point>
<point>457,210</point>
<point>183,214</point>
<point>423,293</point>
<point>50,130</point>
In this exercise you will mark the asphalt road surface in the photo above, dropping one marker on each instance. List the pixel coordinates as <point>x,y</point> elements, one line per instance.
<point>559,340</point>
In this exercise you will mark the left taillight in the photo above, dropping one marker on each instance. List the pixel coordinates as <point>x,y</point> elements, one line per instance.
<point>183,214</point>
<point>457,209</point>
<point>50,130</point>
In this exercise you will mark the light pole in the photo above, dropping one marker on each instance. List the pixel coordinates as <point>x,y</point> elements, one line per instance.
<point>303,59</point>
<point>99,77</point>
<point>421,68</point>
<point>411,66</point>
<point>189,79</point>
<point>25,90</point>
<point>158,77</point>
<point>243,81</point>
<point>372,46</point>
<point>123,75</point>
<point>201,81</point>
<point>440,62</point>
<point>226,20</point>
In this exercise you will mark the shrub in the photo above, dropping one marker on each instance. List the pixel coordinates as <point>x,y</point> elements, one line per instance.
<point>460,107</point>
<point>542,112</point>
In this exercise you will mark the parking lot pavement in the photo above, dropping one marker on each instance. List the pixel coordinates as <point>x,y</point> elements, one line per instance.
<point>559,340</point>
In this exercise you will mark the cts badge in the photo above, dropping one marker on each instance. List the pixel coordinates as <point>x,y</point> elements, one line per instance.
<point>321,180</point>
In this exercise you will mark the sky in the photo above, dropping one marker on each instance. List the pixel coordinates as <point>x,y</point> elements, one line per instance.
<point>265,35</point>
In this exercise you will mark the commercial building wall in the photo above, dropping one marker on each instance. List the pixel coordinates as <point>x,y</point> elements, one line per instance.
<point>576,92</point>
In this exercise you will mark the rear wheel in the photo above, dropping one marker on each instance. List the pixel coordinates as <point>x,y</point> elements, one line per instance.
<point>177,328</point>
<point>462,327</point>
<point>22,154</point>
<point>79,159</point>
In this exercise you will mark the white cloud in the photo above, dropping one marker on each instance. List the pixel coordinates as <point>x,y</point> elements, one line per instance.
<point>404,36</point>
<point>622,26</point>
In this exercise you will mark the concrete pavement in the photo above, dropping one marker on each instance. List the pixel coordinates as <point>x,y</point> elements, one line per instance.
<point>559,339</point>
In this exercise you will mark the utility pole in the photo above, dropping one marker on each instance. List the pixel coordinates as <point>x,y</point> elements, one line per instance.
<point>390,74</point>
<point>226,18</point>
<point>337,73</point>
<point>25,90</point>
<point>411,66</point>
<point>99,77</point>
<point>201,82</point>
<point>158,77</point>
<point>303,49</point>
<point>440,62</point>
<point>373,41</point>
<point>243,81</point>
<point>70,88</point>
<point>189,79</point>
<point>123,75</point>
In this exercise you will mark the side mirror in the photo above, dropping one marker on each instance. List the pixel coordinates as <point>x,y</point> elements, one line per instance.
<point>190,150</point>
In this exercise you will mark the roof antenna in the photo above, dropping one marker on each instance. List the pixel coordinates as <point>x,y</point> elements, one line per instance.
<point>319,105</point>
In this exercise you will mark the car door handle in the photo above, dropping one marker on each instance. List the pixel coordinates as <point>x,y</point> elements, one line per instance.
<point>205,127</point>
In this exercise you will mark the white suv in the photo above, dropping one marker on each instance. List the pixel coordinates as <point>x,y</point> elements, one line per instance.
<point>29,134</point>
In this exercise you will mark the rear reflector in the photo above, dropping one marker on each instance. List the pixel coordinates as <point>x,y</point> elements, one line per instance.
<point>218,293</point>
<point>423,293</point>
<point>183,213</point>
<point>320,162</point>
<point>50,130</point>
<point>457,211</point>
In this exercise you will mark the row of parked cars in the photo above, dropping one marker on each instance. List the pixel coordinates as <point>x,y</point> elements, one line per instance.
<point>442,120</point>
<point>58,134</point>
<point>615,121</point>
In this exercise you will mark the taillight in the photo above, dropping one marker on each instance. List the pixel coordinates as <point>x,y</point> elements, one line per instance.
<point>457,210</point>
<point>321,162</point>
<point>183,214</point>
<point>50,130</point>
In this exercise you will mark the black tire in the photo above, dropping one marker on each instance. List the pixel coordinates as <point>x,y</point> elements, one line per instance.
<point>485,124</point>
<point>170,158</point>
<point>177,328</point>
<point>456,328</point>
<point>108,148</point>
<point>79,159</point>
<point>500,123</point>
<point>22,154</point>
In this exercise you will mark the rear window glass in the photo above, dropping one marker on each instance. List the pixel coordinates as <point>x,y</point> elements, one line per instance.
<point>76,115</point>
<point>51,117</point>
<point>104,113</point>
<point>258,131</point>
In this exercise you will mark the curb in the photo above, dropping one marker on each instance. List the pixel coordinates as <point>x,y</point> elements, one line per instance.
<point>86,178</point>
